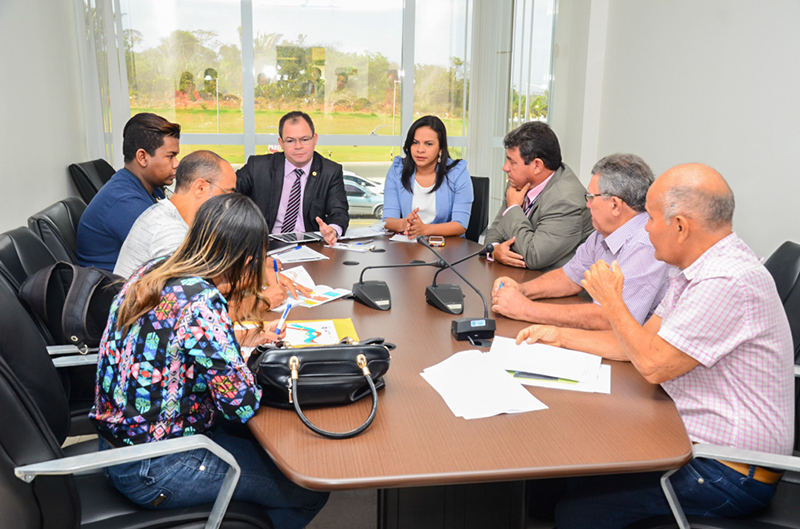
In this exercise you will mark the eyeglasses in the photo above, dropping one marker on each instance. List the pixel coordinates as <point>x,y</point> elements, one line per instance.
<point>590,196</point>
<point>301,141</point>
<point>224,191</point>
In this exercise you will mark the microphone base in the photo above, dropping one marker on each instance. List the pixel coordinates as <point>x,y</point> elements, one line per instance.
<point>373,294</point>
<point>447,298</point>
<point>475,328</point>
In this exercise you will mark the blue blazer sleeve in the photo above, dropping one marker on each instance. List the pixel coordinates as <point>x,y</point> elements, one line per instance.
<point>393,191</point>
<point>454,199</point>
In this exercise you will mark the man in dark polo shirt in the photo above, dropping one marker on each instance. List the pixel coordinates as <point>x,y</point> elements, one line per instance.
<point>150,147</point>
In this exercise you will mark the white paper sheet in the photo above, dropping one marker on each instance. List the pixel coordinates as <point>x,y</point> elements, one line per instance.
<point>399,237</point>
<point>545,360</point>
<point>473,387</point>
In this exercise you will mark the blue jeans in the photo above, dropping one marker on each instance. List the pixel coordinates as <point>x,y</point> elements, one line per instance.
<point>195,477</point>
<point>704,487</point>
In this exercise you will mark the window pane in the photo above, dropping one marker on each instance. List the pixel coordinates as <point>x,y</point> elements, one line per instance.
<point>234,154</point>
<point>441,54</point>
<point>185,62</point>
<point>531,59</point>
<point>338,61</point>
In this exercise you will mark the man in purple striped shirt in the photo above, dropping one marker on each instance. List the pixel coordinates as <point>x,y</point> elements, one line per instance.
<point>720,346</point>
<point>616,199</point>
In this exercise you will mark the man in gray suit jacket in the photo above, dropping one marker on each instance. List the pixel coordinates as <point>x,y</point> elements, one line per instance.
<point>545,216</point>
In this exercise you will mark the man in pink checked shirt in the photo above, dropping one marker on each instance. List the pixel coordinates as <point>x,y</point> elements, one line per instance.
<point>719,344</point>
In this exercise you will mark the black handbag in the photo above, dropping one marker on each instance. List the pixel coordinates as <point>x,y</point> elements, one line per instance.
<point>326,375</point>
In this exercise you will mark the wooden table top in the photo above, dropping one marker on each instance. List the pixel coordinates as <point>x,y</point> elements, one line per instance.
<point>416,440</point>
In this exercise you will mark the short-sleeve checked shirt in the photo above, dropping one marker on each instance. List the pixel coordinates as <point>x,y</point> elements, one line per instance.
<point>177,367</point>
<point>646,278</point>
<point>724,311</point>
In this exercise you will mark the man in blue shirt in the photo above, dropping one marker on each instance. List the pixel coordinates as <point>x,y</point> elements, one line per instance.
<point>150,146</point>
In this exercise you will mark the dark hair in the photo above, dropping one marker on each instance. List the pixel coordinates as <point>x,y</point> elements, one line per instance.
<point>293,117</point>
<point>146,131</point>
<point>445,162</point>
<point>228,238</point>
<point>197,165</point>
<point>535,139</point>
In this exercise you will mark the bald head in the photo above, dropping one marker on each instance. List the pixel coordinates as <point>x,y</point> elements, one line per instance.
<point>698,192</point>
<point>204,165</point>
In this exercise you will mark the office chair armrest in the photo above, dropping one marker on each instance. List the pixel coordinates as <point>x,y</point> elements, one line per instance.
<point>726,453</point>
<point>57,350</point>
<point>796,371</point>
<point>76,360</point>
<point>749,457</point>
<point>106,458</point>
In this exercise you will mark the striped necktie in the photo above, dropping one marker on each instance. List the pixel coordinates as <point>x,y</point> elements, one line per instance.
<point>527,204</point>
<point>293,207</point>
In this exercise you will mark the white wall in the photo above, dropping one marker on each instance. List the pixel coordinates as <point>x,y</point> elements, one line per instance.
<point>714,82</point>
<point>41,116</point>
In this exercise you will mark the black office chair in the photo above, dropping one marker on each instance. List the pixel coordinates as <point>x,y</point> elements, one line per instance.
<point>57,227</point>
<point>784,510</point>
<point>784,265</point>
<point>479,217</point>
<point>22,254</point>
<point>89,177</point>
<point>38,487</point>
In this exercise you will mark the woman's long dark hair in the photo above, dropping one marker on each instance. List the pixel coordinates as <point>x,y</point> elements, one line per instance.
<point>445,162</point>
<point>229,239</point>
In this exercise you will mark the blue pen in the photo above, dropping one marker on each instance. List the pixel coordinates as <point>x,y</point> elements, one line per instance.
<point>275,266</point>
<point>283,317</point>
<point>365,242</point>
<point>287,250</point>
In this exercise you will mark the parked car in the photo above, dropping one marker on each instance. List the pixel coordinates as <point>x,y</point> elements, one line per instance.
<point>352,178</point>
<point>362,201</point>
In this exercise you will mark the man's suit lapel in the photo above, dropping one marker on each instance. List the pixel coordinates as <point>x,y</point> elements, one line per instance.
<point>311,189</point>
<point>278,161</point>
<point>533,213</point>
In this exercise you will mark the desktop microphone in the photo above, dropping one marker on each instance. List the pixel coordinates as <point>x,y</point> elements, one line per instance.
<point>375,294</point>
<point>448,297</point>
<point>471,329</point>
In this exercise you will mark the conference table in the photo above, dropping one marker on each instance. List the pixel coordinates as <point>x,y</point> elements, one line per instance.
<point>416,441</point>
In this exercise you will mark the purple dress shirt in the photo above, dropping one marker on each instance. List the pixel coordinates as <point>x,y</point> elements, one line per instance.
<point>288,179</point>
<point>646,279</point>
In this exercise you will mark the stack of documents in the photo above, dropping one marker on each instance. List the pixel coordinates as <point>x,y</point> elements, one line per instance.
<point>298,254</point>
<point>399,237</point>
<point>474,386</point>
<point>551,367</point>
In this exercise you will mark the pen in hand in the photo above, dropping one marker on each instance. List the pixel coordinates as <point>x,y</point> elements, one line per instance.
<point>275,266</point>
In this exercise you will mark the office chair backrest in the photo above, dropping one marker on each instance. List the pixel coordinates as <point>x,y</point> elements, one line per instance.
<point>25,438</point>
<point>22,254</point>
<point>24,351</point>
<point>57,227</point>
<point>89,177</point>
<point>479,218</point>
<point>784,266</point>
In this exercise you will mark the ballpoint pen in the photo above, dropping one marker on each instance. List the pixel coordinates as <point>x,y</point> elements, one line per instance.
<point>365,242</point>
<point>275,266</point>
<point>287,250</point>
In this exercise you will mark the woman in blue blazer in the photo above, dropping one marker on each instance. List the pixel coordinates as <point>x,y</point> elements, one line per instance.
<point>427,192</point>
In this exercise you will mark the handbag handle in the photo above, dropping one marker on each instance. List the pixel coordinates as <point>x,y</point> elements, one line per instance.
<point>361,360</point>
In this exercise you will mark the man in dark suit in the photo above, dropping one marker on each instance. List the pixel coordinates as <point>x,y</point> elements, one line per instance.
<point>545,217</point>
<point>297,189</point>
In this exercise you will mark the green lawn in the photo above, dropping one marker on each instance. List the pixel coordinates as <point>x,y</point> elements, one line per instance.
<point>198,120</point>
